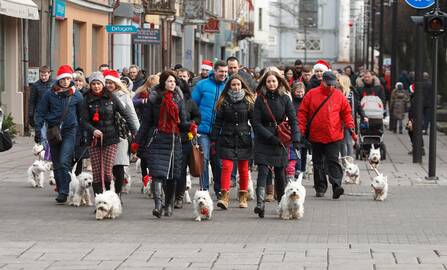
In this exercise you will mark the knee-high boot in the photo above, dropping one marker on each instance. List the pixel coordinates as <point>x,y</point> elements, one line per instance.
<point>260,205</point>
<point>157,198</point>
<point>169,188</point>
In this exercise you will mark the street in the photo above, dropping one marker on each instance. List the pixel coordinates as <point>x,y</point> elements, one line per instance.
<point>407,231</point>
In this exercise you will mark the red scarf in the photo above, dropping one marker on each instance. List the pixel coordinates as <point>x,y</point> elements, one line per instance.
<point>169,114</point>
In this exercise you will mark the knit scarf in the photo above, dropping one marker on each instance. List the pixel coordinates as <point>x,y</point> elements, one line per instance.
<point>64,92</point>
<point>236,96</point>
<point>169,114</point>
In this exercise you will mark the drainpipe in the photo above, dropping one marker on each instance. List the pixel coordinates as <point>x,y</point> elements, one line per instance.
<point>52,29</point>
<point>26,88</point>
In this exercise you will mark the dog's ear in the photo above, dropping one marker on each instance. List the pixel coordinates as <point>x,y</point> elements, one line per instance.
<point>386,179</point>
<point>299,179</point>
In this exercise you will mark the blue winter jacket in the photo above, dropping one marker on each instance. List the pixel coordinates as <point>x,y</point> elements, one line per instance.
<point>51,108</point>
<point>205,95</point>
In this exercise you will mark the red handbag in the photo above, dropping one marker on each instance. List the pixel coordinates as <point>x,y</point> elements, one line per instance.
<point>283,130</point>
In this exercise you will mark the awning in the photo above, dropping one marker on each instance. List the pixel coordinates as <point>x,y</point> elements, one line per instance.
<point>25,9</point>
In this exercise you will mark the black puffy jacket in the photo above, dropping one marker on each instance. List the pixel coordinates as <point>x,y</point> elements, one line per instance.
<point>107,105</point>
<point>38,89</point>
<point>232,131</point>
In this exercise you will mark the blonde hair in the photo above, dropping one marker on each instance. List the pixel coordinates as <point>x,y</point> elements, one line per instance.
<point>151,81</point>
<point>79,75</point>
<point>345,84</point>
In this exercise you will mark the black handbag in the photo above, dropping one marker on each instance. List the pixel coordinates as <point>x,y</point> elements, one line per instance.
<point>54,135</point>
<point>5,141</point>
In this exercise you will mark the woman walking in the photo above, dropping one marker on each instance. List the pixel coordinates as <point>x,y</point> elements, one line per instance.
<point>232,133</point>
<point>163,120</point>
<point>81,151</point>
<point>99,113</point>
<point>269,151</point>
<point>115,86</point>
<point>345,86</point>
<point>60,107</point>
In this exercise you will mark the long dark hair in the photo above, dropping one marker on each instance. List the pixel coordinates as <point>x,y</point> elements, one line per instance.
<point>283,85</point>
<point>249,96</point>
<point>164,77</point>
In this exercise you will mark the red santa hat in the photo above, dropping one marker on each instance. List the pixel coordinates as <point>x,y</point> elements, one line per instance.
<point>113,75</point>
<point>64,71</point>
<point>322,65</point>
<point>207,64</point>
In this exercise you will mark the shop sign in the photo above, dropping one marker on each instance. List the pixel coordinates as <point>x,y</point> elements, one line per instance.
<point>147,36</point>
<point>33,75</point>
<point>59,9</point>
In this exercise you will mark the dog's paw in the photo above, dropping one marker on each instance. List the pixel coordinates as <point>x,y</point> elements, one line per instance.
<point>198,218</point>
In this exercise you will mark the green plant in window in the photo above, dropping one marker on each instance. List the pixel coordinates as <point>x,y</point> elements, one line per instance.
<point>8,124</point>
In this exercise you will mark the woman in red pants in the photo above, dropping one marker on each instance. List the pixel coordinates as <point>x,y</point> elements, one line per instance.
<point>232,134</point>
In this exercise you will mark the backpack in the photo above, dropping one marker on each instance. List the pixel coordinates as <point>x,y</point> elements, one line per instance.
<point>372,106</point>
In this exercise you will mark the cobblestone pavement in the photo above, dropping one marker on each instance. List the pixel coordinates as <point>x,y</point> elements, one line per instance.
<point>407,231</point>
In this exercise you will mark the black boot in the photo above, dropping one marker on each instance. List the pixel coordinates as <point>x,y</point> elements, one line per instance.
<point>97,188</point>
<point>157,198</point>
<point>260,205</point>
<point>107,184</point>
<point>118,186</point>
<point>169,189</point>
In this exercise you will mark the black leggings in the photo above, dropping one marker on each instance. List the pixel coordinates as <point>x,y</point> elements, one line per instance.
<point>280,178</point>
<point>118,174</point>
<point>143,166</point>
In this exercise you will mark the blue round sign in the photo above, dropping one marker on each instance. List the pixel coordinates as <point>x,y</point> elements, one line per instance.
<point>420,4</point>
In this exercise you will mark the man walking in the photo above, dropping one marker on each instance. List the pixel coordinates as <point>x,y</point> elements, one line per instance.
<point>326,112</point>
<point>206,94</point>
<point>234,68</point>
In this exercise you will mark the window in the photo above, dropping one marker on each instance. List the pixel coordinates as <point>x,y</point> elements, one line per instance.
<point>309,44</point>
<point>260,19</point>
<point>76,43</point>
<point>308,13</point>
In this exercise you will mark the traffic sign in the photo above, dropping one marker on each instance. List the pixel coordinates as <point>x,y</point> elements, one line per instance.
<point>420,4</point>
<point>121,29</point>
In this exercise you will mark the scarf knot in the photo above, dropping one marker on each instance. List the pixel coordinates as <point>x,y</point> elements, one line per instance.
<point>169,119</point>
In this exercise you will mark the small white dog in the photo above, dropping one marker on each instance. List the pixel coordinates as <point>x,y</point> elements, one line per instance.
<point>352,171</point>
<point>79,194</point>
<point>187,197</point>
<point>309,167</point>
<point>374,156</point>
<point>292,202</point>
<point>203,205</point>
<point>127,183</point>
<point>36,173</point>
<point>380,187</point>
<point>38,151</point>
<point>108,205</point>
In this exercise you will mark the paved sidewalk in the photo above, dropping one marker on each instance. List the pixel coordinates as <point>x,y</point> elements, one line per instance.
<point>407,231</point>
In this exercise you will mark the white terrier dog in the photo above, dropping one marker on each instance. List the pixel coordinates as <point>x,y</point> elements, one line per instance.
<point>79,194</point>
<point>292,202</point>
<point>38,151</point>
<point>127,183</point>
<point>36,173</point>
<point>39,154</point>
<point>203,205</point>
<point>352,171</point>
<point>108,205</point>
<point>309,167</point>
<point>374,156</point>
<point>380,187</point>
<point>187,197</point>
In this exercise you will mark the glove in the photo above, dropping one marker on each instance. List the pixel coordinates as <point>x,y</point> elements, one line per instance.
<point>365,119</point>
<point>193,128</point>
<point>134,147</point>
<point>275,140</point>
<point>31,121</point>
<point>296,145</point>
<point>37,137</point>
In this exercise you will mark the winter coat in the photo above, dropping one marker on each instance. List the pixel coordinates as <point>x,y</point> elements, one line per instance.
<point>428,94</point>
<point>122,152</point>
<point>38,89</point>
<point>206,94</point>
<point>106,105</point>
<point>399,102</point>
<point>138,102</point>
<point>162,151</point>
<point>266,151</point>
<point>327,125</point>
<point>313,83</point>
<point>231,130</point>
<point>192,114</point>
<point>196,80</point>
<point>251,83</point>
<point>139,81</point>
<point>52,106</point>
<point>368,90</point>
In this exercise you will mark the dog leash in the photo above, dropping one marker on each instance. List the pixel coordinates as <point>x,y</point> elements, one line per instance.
<point>101,160</point>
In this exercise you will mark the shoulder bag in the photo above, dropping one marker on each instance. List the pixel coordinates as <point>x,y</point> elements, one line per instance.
<point>54,135</point>
<point>283,130</point>
<point>195,160</point>
<point>313,116</point>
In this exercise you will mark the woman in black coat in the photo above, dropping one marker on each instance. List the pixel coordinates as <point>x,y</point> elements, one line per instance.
<point>98,119</point>
<point>159,134</point>
<point>232,133</point>
<point>269,151</point>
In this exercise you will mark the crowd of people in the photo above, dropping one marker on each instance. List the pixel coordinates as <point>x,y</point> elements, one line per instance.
<point>237,115</point>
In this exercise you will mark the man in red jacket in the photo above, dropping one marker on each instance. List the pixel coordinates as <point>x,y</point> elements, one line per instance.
<point>326,109</point>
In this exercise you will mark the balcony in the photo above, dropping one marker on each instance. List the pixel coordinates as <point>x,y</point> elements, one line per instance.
<point>245,30</point>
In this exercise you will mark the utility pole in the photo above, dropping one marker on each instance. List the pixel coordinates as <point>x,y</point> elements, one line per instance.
<point>382,18</point>
<point>367,41</point>
<point>394,39</point>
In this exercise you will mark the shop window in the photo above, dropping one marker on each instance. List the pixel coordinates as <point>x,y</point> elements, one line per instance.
<point>34,37</point>
<point>76,44</point>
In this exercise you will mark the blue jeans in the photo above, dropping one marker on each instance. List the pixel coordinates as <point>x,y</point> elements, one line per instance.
<point>216,164</point>
<point>62,155</point>
<point>43,134</point>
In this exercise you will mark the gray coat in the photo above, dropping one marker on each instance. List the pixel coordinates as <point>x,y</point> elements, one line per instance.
<point>122,152</point>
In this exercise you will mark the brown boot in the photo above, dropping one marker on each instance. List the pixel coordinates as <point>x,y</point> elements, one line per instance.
<point>224,200</point>
<point>243,197</point>
<point>269,193</point>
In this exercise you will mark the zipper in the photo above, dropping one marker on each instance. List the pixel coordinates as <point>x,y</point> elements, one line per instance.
<point>171,158</point>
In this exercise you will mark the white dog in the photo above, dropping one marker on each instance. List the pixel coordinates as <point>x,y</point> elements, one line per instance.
<point>380,187</point>
<point>292,202</point>
<point>38,151</point>
<point>203,205</point>
<point>352,171</point>
<point>36,173</point>
<point>108,205</point>
<point>309,167</point>
<point>374,156</point>
<point>127,183</point>
<point>79,194</point>
<point>187,197</point>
